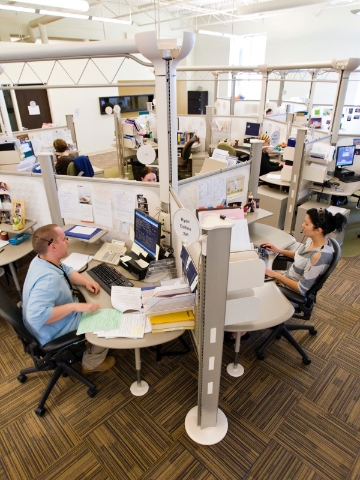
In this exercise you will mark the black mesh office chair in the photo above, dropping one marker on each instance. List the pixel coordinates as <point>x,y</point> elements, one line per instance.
<point>184,161</point>
<point>57,355</point>
<point>304,305</point>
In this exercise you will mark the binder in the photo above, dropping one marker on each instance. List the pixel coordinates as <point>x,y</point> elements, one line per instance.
<point>69,233</point>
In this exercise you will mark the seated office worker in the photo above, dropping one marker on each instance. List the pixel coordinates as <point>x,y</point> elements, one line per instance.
<point>50,308</point>
<point>148,174</point>
<point>63,156</point>
<point>313,257</point>
<point>267,165</point>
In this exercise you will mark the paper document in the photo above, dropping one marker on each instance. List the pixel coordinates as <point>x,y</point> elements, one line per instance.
<point>77,260</point>
<point>142,263</point>
<point>126,298</point>
<point>3,243</point>
<point>273,175</point>
<point>132,326</point>
<point>83,230</point>
<point>105,319</point>
<point>169,304</point>
<point>240,239</point>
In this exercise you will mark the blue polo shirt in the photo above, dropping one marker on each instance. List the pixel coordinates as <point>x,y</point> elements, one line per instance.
<point>45,287</point>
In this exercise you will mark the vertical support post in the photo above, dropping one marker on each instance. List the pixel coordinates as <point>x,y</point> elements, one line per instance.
<point>119,139</point>
<point>295,180</point>
<point>256,153</point>
<point>71,126</point>
<point>47,173</point>
<point>264,85</point>
<point>16,110</point>
<point>312,91</point>
<point>281,89</point>
<point>5,114</point>
<point>232,98</point>
<point>209,115</point>
<point>216,85</point>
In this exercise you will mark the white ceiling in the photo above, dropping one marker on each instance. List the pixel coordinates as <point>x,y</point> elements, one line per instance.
<point>172,15</point>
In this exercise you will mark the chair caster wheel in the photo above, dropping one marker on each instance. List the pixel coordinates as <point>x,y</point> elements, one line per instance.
<point>40,411</point>
<point>91,392</point>
<point>22,378</point>
<point>306,361</point>
<point>260,356</point>
<point>65,375</point>
<point>313,331</point>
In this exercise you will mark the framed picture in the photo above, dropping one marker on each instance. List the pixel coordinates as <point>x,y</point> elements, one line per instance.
<point>18,208</point>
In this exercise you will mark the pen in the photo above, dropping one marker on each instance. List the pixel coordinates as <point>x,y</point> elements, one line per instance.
<point>2,250</point>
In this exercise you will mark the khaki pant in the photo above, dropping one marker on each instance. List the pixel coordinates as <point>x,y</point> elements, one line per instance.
<point>94,356</point>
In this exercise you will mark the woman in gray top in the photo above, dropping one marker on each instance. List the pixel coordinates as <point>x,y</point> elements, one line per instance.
<point>314,256</point>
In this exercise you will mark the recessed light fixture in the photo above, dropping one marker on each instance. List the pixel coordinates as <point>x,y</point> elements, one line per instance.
<point>217,34</point>
<point>17,9</point>
<point>79,5</point>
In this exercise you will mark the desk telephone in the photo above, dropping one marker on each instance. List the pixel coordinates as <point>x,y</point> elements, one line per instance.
<point>111,252</point>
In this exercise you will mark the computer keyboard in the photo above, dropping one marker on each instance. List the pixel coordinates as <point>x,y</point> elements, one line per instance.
<point>351,179</point>
<point>108,276</point>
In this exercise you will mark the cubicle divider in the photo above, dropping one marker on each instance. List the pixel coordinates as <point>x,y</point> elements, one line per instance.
<point>106,203</point>
<point>212,189</point>
<point>229,127</point>
<point>272,125</point>
<point>29,188</point>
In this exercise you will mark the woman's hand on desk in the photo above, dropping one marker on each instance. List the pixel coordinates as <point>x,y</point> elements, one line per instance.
<point>92,286</point>
<point>270,247</point>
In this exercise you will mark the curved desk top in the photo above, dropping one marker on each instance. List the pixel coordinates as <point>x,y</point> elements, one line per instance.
<point>12,253</point>
<point>274,180</point>
<point>260,233</point>
<point>343,190</point>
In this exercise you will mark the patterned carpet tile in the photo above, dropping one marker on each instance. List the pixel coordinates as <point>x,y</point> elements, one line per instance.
<point>278,462</point>
<point>14,358</point>
<point>85,414</point>
<point>252,398</point>
<point>319,440</point>
<point>79,463</point>
<point>129,442</point>
<point>171,399</point>
<point>337,391</point>
<point>178,463</point>
<point>347,354</point>
<point>29,445</point>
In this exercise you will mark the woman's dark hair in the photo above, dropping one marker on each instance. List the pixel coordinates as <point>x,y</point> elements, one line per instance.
<point>322,218</point>
<point>60,145</point>
<point>147,170</point>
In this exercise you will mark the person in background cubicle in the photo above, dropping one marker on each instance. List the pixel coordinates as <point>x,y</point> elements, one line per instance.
<point>269,112</point>
<point>312,258</point>
<point>51,306</point>
<point>267,165</point>
<point>148,174</point>
<point>63,156</point>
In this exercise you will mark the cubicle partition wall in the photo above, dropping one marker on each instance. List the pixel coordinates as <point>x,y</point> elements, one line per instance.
<point>229,127</point>
<point>106,203</point>
<point>272,125</point>
<point>29,187</point>
<point>212,189</point>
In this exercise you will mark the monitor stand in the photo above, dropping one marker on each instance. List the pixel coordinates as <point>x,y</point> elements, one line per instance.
<point>343,172</point>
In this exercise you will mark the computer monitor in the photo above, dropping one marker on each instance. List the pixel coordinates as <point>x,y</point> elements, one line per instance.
<point>345,156</point>
<point>252,129</point>
<point>316,122</point>
<point>147,232</point>
<point>27,149</point>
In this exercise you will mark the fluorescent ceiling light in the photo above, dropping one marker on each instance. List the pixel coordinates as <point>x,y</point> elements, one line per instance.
<point>217,34</point>
<point>64,14</point>
<point>355,12</point>
<point>17,9</point>
<point>111,20</point>
<point>80,5</point>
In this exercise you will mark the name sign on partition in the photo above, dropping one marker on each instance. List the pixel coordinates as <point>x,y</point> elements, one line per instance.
<point>186,226</point>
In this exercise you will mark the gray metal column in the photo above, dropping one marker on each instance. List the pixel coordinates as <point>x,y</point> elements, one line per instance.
<point>208,120</point>
<point>264,85</point>
<point>295,180</point>
<point>256,152</point>
<point>232,98</point>
<point>71,126</point>
<point>48,176</point>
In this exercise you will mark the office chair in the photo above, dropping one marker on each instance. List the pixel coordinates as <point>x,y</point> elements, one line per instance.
<point>304,305</point>
<point>184,161</point>
<point>57,355</point>
<point>72,170</point>
<point>84,166</point>
<point>229,148</point>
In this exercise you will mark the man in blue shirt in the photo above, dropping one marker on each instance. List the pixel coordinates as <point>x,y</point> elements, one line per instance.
<point>50,308</point>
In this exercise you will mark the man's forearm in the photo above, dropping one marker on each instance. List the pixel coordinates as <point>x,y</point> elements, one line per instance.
<point>61,312</point>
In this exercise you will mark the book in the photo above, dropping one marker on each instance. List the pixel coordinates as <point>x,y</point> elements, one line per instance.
<point>183,316</point>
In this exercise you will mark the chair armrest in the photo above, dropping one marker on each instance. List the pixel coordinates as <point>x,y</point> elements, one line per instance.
<point>293,296</point>
<point>62,342</point>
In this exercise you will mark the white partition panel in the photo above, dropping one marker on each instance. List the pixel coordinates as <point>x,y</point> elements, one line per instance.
<point>105,189</point>
<point>271,125</point>
<point>29,187</point>
<point>212,188</point>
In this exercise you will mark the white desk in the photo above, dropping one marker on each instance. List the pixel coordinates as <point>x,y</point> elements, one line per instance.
<point>276,180</point>
<point>344,189</point>
<point>260,233</point>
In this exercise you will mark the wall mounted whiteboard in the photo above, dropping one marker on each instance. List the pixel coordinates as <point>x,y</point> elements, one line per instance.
<point>105,189</point>
<point>29,188</point>
<point>212,188</point>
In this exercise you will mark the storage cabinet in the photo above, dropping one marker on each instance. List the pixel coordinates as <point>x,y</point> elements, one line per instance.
<point>197,102</point>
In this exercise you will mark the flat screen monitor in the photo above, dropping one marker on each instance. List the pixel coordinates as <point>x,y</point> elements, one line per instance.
<point>316,122</point>
<point>345,155</point>
<point>252,129</point>
<point>147,232</point>
<point>127,103</point>
<point>27,149</point>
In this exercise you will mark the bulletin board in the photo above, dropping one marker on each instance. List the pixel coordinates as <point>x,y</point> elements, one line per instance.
<point>212,188</point>
<point>29,188</point>
<point>112,202</point>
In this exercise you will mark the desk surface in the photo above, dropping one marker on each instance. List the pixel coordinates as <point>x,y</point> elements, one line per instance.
<point>12,253</point>
<point>260,233</point>
<point>7,227</point>
<point>343,190</point>
<point>274,181</point>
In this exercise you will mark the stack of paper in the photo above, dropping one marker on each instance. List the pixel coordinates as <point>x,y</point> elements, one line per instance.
<point>169,298</point>
<point>173,321</point>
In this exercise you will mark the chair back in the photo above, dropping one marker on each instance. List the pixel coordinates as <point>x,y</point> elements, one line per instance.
<point>72,170</point>
<point>83,164</point>
<point>229,148</point>
<point>10,312</point>
<point>186,151</point>
<point>322,279</point>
